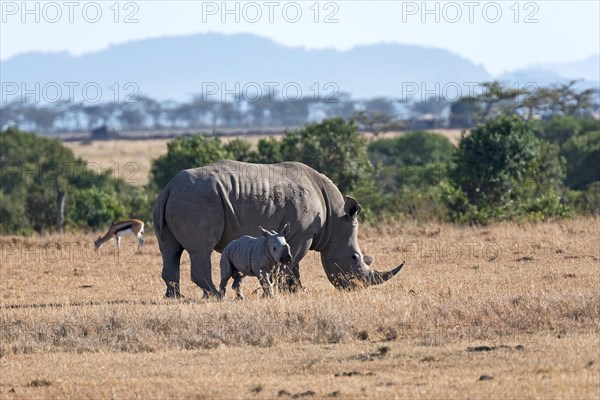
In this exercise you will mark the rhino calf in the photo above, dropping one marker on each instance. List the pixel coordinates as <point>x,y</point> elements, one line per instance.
<point>253,256</point>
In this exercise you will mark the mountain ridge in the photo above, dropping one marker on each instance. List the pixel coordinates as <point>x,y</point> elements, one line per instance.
<point>177,67</point>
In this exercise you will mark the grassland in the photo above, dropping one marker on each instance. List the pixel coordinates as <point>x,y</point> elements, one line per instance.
<point>505,311</point>
<point>126,159</point>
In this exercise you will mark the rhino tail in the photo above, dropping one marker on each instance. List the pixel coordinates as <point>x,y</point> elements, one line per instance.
<point>160,210</point>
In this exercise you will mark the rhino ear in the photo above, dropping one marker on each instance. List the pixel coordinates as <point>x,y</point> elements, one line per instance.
<point>286,230</point>
<point>265,232</point>
<point>351,207</point>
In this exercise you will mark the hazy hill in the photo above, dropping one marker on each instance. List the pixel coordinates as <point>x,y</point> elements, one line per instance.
<point>176,67</point>
<point>587,71</point>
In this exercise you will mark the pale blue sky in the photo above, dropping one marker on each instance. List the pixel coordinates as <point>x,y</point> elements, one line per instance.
<point>557,31</point>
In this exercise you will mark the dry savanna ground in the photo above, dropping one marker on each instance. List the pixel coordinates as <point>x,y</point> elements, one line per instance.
<point>504,311</point>
<point>131,160</point>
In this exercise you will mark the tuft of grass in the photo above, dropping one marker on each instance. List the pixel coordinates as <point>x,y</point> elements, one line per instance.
<point>40,383</point>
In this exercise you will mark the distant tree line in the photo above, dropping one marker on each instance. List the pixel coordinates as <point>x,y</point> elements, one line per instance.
<point>376,115</point>
<point>509,166</point>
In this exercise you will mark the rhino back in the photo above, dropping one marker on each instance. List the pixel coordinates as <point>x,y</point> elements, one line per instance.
<point>227,199</point>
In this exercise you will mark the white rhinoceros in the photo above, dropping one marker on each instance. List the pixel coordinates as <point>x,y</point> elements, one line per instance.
<point>203,209</point>
<point>254,256</point>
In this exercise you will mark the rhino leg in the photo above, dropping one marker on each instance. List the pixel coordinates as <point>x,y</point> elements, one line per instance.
<point>237,285</point>
<point>171,250</point>
<point>201,272</point>
<point>170,272</point>
<point>289,280</point>
<point>293,281</point>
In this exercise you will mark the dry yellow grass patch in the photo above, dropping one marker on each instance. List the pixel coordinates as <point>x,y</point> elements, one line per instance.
<point>453,135</point>
<point>129,160</point>
<point>519,304</point>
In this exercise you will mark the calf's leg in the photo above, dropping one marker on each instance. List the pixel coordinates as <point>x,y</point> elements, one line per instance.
<point>266,284</point>
<point>227,270</point>
<point>237,285</point>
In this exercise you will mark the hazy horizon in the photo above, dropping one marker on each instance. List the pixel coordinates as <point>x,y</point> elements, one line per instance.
<point>500,36</point>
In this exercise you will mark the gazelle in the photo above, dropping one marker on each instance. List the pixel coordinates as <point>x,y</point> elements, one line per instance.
<point>123,228</point>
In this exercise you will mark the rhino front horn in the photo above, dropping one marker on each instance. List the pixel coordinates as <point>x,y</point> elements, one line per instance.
<point>376,277</point>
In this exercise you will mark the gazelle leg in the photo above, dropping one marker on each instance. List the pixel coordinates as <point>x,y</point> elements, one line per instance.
<point>140,242</point>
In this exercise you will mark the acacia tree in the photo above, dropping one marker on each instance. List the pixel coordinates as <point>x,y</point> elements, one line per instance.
<point>377,123</point>
<point>498,99</point>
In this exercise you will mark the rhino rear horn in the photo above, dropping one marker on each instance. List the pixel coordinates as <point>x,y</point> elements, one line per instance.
<point>376,277</point>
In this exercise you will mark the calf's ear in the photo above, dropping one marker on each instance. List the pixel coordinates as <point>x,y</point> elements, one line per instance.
<point>286,229</point>
<point>351,207</point>
<point>265,232</point>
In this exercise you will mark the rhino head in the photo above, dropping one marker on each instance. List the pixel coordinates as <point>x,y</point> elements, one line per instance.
<point>344,263</point>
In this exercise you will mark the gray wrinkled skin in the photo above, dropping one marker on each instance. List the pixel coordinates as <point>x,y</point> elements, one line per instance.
<point>203,209</point>
<point>250,256</point>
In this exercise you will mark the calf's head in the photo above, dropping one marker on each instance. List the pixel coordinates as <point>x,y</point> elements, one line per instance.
<point>277,247</point>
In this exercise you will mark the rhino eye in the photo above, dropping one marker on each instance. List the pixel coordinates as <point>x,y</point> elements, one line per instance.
<point>274,248</point>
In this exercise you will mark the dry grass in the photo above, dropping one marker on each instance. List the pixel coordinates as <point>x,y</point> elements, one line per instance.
<point>127,159</point>
<point>520,304</point>
<point>453,135</point>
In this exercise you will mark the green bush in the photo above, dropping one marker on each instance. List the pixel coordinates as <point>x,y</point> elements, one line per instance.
<point>494,160</point>
<point>586,201</point>
<point>583,159</point>
<point>94,207</point>
<point>186,152</point>
<point>410,170</point>
<point>33,168</point>
<point>413,148</point>
<point>269,151</point>
<point>504,171</point>
<point>240,150</point>
<point>333,147</point>
<point>561,128</point>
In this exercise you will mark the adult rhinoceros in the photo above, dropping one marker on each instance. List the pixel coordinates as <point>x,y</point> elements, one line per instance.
<point>203,209</point>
